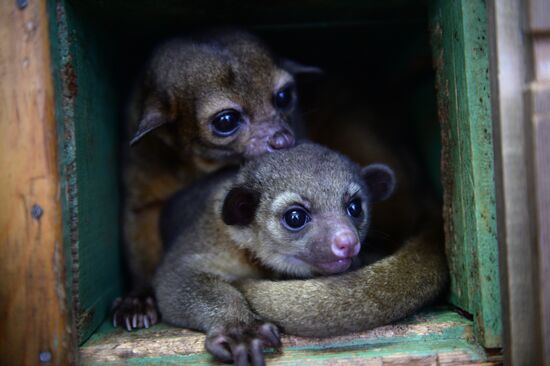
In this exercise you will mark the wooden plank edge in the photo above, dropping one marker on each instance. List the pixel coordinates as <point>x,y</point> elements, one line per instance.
<point>35,319</point>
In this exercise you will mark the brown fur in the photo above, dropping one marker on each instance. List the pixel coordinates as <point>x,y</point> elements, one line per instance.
<point>186,84</point>
<point>385,291</point>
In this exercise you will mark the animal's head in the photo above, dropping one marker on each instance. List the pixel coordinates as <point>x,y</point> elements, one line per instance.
<point>222,97</point>
<point>305,210</point>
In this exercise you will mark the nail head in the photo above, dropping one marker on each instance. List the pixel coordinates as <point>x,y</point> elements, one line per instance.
<point>22,4</point>
<point>36,212</point>
<point>45,357</point>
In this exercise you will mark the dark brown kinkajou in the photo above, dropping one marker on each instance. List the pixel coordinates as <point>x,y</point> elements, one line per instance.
<point>408,227</point>
<point>201,103</point>
<point>300,213</point>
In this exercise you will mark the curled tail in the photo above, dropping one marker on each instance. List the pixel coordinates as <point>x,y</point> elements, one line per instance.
<point>385,291</point>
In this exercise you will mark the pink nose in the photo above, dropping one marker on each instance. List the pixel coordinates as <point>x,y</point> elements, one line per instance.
<point>281,140</point>
<point>345,244</point>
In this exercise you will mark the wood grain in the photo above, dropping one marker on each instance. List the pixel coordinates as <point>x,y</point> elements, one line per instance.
<point>538,110</point>
<point>541,165</point>
<point>510,72</point>
<point>538,13</point>
<point>34,323</point>
<point>461,58</point>
<point>435,337</point>
<point>88,112</point>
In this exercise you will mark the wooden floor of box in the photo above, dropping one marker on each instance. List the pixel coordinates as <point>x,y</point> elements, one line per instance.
<point>433,337</point>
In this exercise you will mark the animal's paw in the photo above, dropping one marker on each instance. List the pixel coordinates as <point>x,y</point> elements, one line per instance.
<point>134,312</point>
<point>243,345</point>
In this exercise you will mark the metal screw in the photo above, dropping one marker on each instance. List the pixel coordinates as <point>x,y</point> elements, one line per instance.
<point>45,357</point>
<point>22,4</point>
<point>36,212</point>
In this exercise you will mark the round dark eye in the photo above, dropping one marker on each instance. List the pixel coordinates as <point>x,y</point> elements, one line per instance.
<point>283,97</point>
<point>354,208</point>
<point>226,123</point>
<point>295,219</point>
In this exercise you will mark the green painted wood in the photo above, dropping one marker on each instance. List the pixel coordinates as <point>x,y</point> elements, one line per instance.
<point>86,111</point>
<point>460,49</point>
<point>435,335</point>
<point>458,351</point>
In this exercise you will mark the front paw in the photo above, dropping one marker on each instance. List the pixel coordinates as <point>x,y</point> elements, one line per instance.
<point>243,345</point>
<point>134,312</point>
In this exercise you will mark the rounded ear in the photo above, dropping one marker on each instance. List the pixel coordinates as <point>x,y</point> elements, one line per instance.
<point>239,206</point>
<point>296,68</point>
<point>380,180</point>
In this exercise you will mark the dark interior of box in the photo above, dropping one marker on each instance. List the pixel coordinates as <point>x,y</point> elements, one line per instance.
<point>377,52</point>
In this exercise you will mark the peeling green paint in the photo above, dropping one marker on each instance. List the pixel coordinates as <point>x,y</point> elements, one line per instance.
<point>294,357</point>
<point>86,111</point>
<point>460,48</point>
<point>87,129</point>
<point>429,334</point>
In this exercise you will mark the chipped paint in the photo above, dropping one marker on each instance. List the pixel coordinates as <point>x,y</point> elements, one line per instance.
<point>433,335</point>
<point>461,59</point>
<point>85,114</point>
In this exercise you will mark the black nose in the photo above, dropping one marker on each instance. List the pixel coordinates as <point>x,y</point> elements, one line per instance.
<point>281,140</point>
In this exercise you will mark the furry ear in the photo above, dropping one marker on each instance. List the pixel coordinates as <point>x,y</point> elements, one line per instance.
<point>151,118</point>
<point>296,68</point>
<point>239,206</point>
<point>380,180</point>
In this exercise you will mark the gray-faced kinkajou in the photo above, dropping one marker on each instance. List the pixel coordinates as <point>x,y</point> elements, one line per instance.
<point>374,295</point>
<point>414,273</point>
<point>300,213</point>
<point>201,103</point>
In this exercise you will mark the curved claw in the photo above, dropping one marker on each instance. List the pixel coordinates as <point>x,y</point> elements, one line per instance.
<point>134,312</point>
<point>240,355</point>
<point>257,353</point>
<point>219,346</point>
<point>270,335</point>
<point>243,345</point>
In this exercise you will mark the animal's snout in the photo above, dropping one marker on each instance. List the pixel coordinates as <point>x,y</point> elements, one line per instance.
<point>282,139</point>
<point>345,244</point>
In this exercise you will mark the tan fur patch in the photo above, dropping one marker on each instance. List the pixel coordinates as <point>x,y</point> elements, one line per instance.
<point>281,78</point>
<point>285,199</point>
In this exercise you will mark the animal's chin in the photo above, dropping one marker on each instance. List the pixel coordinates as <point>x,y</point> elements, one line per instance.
<point>334,267</point>
<point>255,149</point>
<point>325,268</point>
<point>215,156</point>
<point>290,265</point>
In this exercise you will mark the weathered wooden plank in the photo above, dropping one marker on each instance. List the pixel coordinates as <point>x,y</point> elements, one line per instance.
<point>459,33</point>
<point>541,175</point>
<point>541,56</point>
<point>538,110</point>
<point>487,310</point>
<point>446,99</point>
<point>434,337</point>
<point>538,13</point>
<point>509,73</point>
<point>87,112</point>
<point>34,320</point>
